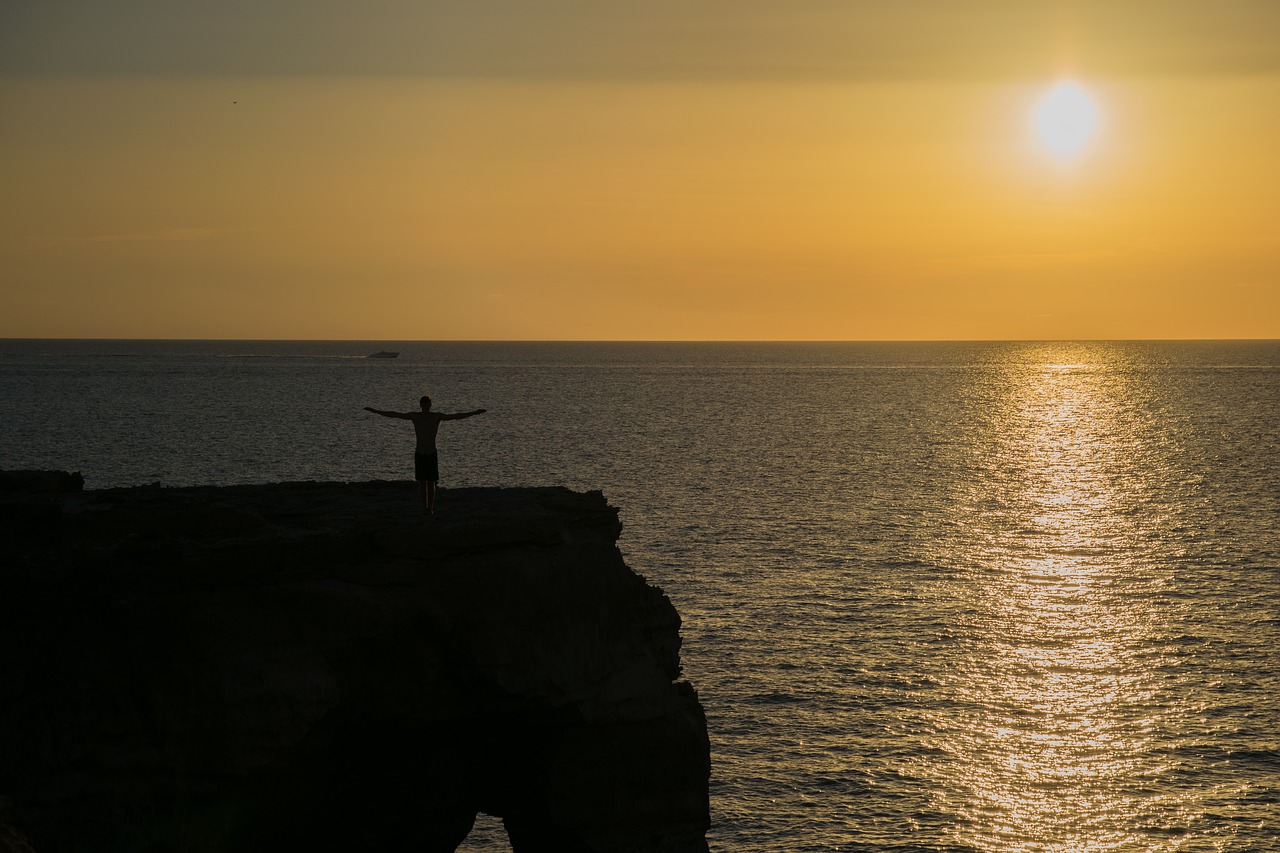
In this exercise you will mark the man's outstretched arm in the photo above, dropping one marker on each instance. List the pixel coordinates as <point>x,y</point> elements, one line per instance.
<point>460,415</point>
<point>402,415</point>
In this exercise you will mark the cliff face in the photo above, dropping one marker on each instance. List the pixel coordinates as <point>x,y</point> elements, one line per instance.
<point>311,666</point>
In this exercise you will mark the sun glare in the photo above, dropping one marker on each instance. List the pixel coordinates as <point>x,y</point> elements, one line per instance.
<point>1065,119</point>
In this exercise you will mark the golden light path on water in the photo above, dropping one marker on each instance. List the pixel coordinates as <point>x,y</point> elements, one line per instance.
<point>1054,702</point>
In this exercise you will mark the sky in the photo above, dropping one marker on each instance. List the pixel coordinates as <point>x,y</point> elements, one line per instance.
<point>636,170</point>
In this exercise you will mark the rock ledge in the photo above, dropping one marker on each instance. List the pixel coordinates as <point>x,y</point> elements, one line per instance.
<point>312,666</point>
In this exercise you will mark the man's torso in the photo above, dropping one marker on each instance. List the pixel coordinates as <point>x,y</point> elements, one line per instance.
<point>426,425</point>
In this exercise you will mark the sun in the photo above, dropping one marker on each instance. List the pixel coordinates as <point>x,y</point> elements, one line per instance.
<point>1065,119</point>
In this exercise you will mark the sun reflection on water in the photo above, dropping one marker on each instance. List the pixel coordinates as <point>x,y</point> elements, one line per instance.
<point>1054,709</point>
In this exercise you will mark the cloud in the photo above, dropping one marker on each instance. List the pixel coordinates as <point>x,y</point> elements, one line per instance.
<point>1029,261</point>
<point>640,39</point>
<point>159,235</point>
<point>162,235</point>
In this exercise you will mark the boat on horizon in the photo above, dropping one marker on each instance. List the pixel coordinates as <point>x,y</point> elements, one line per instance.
<point>383,354</point>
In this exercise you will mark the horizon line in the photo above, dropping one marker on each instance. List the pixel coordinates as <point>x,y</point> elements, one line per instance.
<point>653,340</point>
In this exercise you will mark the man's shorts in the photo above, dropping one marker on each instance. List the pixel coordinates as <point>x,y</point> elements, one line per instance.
<point>426,466</point>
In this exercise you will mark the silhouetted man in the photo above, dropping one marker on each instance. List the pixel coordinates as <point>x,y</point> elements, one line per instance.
<point>426,424</point>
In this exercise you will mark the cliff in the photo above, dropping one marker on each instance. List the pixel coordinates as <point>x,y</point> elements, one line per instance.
<point>314,666</point>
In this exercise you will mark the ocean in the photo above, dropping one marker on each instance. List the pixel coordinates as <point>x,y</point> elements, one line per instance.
<point>936,596</point>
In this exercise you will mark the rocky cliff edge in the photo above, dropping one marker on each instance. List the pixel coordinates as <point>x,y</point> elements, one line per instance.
<point>312,666</point>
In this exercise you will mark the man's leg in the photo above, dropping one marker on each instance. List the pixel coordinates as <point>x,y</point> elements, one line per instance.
<point>425,489</point>
<point>433,476</point>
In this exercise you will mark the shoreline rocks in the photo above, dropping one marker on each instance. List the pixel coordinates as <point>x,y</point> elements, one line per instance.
<point>314,666</point>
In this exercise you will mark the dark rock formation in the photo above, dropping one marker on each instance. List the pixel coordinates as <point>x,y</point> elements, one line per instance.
<point>41,482</point>
<point>311,666</point>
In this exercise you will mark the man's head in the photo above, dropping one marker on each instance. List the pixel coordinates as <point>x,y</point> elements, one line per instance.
<point>425,402</point>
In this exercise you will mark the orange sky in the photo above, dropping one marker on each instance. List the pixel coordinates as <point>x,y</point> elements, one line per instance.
<point>503,170</point>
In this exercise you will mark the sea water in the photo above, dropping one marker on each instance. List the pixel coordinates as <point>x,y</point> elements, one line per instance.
<point>936,597</point>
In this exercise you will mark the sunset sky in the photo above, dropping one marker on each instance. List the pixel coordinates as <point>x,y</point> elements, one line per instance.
<point>636,169</point>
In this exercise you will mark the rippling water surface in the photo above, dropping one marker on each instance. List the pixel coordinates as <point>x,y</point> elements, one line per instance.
<point>936,597</point>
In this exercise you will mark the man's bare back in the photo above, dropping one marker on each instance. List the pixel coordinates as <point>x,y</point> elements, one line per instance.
<point>426,425</point>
